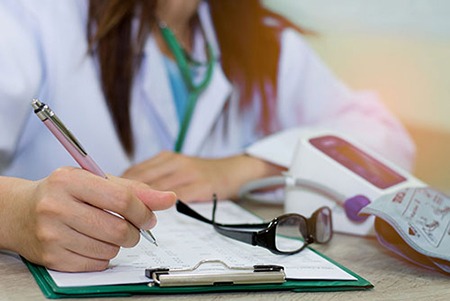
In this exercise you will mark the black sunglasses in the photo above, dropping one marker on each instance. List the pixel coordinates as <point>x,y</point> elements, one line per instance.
<point>286,234</point>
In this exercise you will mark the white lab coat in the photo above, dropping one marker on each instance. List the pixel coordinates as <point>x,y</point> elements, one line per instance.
<point>43,54</point>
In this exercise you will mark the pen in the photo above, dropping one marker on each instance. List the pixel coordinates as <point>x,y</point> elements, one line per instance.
<point>73,146</point>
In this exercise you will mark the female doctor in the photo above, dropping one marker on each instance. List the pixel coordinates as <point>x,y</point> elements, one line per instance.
<point>170,95</point>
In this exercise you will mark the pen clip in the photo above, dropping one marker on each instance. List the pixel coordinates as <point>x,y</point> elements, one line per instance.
<point>44,112</point>
<point>70,137</point>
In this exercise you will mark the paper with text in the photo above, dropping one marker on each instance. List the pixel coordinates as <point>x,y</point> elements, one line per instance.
<point>421,215</point>
<point>184,241</point>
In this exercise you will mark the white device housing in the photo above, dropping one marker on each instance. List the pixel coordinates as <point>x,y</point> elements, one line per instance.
<point>313,164</point>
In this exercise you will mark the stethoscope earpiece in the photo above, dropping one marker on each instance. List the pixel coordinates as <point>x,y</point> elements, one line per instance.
<point>353,206</point>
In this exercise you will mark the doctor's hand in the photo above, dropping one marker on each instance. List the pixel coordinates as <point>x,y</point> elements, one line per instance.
<point>196,179</point>
<point>61,221</point>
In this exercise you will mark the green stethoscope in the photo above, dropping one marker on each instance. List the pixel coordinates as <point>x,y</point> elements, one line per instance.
<point>194,90</point>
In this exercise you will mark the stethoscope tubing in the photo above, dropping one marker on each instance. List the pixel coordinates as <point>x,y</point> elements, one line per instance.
<point>194,90</point>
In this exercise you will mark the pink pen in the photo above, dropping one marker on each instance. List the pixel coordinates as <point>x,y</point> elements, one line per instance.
<point>71,144</point>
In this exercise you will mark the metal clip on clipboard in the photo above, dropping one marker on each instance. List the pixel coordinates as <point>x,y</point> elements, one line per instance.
<point>195,276</point>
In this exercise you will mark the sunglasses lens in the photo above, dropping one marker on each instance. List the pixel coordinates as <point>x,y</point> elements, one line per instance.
<point>323,225</point>
<point>289,236</point>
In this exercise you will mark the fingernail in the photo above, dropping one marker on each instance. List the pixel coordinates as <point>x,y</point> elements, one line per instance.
<point>150,223</point>
<point>170,193</point>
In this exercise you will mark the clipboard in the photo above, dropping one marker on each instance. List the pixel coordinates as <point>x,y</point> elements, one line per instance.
<point>53,291</point>
<point>257,274</point>
<point>231,276</point>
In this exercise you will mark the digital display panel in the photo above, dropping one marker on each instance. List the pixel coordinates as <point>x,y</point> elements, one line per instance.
<point>356,160</point>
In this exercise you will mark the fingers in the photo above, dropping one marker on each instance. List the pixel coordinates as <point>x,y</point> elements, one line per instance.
<point>154,168</point>
<point>102,226</point>
<point>97,199</point>
<point>75,252</point>
<point>56,245</point>
<point>153,199</point>
<point>195,192</point>
<point>91,248</point>
<point>191,178</point>
<point>167,171</point>
<point>175,180</point>
<point>113,195</point>
<point>67,261</point>
<point>66,221</point>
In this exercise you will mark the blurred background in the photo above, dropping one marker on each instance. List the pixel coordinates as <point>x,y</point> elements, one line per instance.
<point>398,48</point>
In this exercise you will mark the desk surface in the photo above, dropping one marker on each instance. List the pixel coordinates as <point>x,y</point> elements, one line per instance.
<point>393,278</point>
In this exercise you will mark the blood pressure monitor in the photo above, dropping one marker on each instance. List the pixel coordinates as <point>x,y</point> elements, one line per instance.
<point>329,169</point>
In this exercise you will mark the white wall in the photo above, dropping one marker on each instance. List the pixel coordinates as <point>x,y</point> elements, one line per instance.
<point>400,48</point>
<point>414,17</point>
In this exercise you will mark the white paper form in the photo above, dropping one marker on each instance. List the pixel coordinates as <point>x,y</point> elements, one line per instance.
<point>421,215</point>
<point>184,242</point>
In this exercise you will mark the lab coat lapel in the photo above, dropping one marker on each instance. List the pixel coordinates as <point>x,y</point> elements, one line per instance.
<point>157,89</point>
<point>208,108</point>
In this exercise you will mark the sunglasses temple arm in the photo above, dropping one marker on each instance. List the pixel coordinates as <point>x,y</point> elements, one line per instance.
<point>243,236</point>
<point>186,210</point>
<point>256,226</point>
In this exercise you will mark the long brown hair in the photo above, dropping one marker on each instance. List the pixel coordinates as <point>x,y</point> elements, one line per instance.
<point>249,52</point>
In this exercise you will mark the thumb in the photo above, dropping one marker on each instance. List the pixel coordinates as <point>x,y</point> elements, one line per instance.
<point>153,199</point>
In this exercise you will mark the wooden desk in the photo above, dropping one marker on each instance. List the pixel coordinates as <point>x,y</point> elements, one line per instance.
<point>393,278</point>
